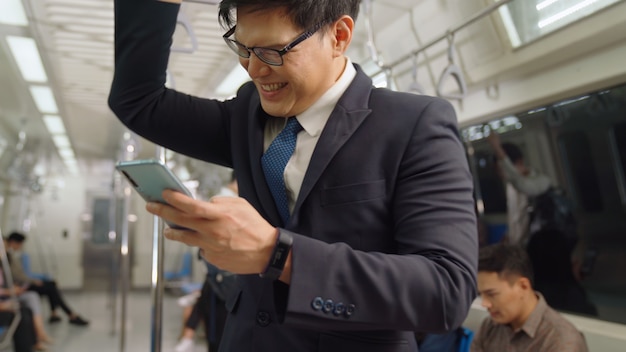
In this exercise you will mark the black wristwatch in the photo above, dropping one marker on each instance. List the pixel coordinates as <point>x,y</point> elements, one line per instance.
<point>279,256</point>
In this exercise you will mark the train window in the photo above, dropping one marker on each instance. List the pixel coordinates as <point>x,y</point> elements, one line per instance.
<point>579,162</point>
<point>527,20</point>
<point>580,143</point>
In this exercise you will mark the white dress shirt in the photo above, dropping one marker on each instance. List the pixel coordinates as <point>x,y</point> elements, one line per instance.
<point>312,121</point>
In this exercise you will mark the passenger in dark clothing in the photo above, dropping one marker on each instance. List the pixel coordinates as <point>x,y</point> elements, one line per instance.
<point>554,277</point>
<point>24,337</point>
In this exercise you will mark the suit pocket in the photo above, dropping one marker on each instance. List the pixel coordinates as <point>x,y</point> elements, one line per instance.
<point>361,343</point>
<point>353,193</point>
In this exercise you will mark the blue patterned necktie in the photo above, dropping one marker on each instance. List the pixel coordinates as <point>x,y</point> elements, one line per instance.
<point>274,161</point>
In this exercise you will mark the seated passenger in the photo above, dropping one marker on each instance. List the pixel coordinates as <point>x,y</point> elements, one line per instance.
<point>520,319</point>
<point>48,288</point>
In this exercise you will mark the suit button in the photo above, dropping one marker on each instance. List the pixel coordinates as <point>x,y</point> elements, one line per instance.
<point>339,308</point>
<point>350,310</point>
<point>329,305</point>
<point>317,303</point>
<point>263,318</point>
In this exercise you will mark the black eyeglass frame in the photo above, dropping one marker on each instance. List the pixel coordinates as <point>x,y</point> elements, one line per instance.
<point>258,50</point>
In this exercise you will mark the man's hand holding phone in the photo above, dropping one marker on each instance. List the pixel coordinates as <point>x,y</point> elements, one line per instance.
<point>231,233</point>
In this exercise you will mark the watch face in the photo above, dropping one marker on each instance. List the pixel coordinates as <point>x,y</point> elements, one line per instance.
<point>279,256</point>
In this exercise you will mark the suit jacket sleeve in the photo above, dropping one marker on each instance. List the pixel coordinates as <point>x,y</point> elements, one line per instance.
<point>138,97</point>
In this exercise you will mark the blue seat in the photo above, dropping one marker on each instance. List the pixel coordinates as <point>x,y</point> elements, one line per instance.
<point>465,339</point>
<point>458,340</point>
<point>185,269</point>
<point>27,269</point>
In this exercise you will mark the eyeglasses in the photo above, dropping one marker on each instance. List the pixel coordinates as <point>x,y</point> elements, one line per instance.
<point>272,57</point>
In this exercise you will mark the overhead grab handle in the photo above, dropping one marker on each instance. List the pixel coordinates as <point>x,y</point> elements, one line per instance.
<point>371,43</point>
<point>184,21</point>
<point>415,86</point>
<point>454,71</point>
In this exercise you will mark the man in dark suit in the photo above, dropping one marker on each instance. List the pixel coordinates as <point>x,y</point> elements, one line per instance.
<point>374,237</point>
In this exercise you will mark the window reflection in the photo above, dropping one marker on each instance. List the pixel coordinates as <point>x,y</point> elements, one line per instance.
<point>580,143</point>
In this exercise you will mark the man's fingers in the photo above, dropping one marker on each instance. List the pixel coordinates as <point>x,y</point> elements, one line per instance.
<point>190,206</point>
<point>188,237</point>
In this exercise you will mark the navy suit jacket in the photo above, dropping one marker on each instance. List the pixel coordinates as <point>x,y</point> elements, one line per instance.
<point>384,227</point>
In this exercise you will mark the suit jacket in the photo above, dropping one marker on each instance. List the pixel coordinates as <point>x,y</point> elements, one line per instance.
<point>384,226</point>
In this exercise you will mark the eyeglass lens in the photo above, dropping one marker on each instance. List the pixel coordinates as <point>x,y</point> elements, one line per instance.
<point>269,56</point>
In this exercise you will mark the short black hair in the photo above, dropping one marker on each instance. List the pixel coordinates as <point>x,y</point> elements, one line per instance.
<point>506,260</point>
<point>513,152</point>
<point>305,13</point>
<point>16,237</point>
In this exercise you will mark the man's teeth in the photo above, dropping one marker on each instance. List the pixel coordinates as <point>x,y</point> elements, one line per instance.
<point>272,87</point>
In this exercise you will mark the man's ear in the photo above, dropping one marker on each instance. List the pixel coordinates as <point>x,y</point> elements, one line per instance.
<point>342,34</point>
<point>524,283</point>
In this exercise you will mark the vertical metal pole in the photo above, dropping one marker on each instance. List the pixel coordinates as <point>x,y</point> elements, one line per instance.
<point>157,276</point>
<point>129,152</point>
<point>114,212</point>
<point>125,267</point>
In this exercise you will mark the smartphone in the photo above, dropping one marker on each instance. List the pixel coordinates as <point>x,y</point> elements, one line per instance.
<point>150,177</point>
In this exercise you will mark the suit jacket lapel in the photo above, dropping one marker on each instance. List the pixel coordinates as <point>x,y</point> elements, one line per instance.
<point>352,108</point>
<point>256,132</point>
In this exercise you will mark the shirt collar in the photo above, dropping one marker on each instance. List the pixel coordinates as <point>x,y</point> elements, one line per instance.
<point>534,319</point>
<point>314,118</point>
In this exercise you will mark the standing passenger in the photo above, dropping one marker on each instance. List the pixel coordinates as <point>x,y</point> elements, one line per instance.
<point>370,235</point>
<point>522,183</point>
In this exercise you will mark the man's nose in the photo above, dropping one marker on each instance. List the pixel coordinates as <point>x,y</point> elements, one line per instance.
<point>255,67</point>
<point>485,303</point>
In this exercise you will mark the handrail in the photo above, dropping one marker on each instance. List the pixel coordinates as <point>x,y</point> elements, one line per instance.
<point>415,86</point>
<point>184,21</point>
<point>484,12</point>
<point>454,71</point>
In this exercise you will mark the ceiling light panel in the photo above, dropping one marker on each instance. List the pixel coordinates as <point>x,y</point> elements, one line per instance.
<point>61,141</point>
<point>26,55</point>
<point>44,99</point>
<point>54,124</point>
<point>12,13</point>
